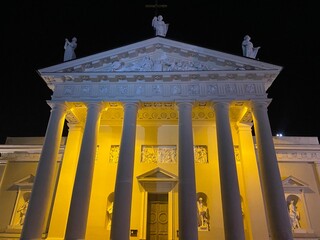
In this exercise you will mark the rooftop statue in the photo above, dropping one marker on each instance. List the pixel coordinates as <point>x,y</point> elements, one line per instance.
<point>247,48</point>
<point>160,26</point>
<point>69,47</point>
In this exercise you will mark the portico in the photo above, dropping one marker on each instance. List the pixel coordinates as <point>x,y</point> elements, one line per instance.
<point>171,96</point>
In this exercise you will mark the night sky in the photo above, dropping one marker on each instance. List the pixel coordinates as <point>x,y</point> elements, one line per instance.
<point>33,37</point>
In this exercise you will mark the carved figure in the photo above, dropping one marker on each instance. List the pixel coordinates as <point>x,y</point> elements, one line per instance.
<point>109,213</point>
<point>160,26</point>
<point>203,215</point>
<point>294,215</point>
<point>247,48</point>
<point>23,210</point>
<point>69,47</point>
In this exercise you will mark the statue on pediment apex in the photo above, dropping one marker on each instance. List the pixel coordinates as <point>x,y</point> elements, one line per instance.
<point>160,26</point>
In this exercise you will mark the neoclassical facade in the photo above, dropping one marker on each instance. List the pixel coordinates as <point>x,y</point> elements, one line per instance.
<point>160,146</point>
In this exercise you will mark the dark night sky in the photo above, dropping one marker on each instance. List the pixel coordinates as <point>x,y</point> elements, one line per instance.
<point>33,37</point>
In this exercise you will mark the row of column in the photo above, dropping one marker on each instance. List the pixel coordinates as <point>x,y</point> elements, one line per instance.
<point>41,196</point>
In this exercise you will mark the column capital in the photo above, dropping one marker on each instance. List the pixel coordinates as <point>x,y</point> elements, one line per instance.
<point>75,126</point>
<point>184,104</point>
<point>223,103</point>
<point>131,103</point>
<point>263,103</point>
<point>57,105</point>
<point>95,104</point>
<point>244,126</point>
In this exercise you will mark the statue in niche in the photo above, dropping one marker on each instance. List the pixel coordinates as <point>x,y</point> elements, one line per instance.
<point>203,213</point>
<point>294,215</point>
<point>22,210</point>
<point>69,48</point>
<point>109,210</point>
<point>247,48</point>
<point>160,26</point>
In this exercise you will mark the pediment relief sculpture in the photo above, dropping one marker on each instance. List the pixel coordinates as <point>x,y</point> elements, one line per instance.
<point>160,62</point>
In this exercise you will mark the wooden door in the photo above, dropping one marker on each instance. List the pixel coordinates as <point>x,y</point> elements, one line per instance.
<point>157,219</point>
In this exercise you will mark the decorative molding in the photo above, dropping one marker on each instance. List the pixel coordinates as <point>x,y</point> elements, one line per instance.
<point>200,154</point>
<point>298,156</point>
<point>114,153</point>
<point>161,154</point>
<point>24,157</point>
<point>158,154</point>
<point>158,91</point>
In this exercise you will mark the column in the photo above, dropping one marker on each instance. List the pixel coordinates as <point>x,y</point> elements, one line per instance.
<point>188,225</point>
<point>120,226</point>
<point>230,193</point>
<point>256,220</point>
<point>78,212</point>
<point>67,173</point>
<point>42,191</point>
<point>277,212</point>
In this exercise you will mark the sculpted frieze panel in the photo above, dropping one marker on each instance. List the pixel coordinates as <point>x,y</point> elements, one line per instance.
<point>162,61</point>
<point>167,91</point>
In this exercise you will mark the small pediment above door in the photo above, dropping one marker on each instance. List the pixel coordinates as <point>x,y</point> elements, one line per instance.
<point>158,180</point>
<point>292,184</point>
<point>23,183</point>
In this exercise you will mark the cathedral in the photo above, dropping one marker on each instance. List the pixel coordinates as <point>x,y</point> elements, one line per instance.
<point>166,141</point>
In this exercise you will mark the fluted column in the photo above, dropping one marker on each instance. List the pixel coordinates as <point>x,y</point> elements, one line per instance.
<point>230,193</point>
<point>188,225</point>
<point>78,213</point>
<point>277,213</point>
<point>120,226</point>
<point>42,190</point>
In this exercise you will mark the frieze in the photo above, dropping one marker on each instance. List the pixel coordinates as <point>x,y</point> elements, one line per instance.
<point>148,76</point>
<point>161,154</point>
<point>167,91</point>
<point>298,156</point>
<point>23,157</point>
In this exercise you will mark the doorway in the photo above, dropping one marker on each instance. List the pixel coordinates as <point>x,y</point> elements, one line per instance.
<point>157,216</point>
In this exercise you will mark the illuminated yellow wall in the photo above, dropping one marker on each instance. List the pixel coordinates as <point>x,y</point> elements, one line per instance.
<point>207,179</point>
<point>8,192</point>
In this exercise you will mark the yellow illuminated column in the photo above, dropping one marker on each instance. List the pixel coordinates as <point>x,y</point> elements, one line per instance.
<point>78,213</point>
<point>67,173</point>
<point>277,213</point>
<point>252,194</point>
<point>120,226</point>
<point>230,193</point>
<point>43,186</point>
<point>188,225</point>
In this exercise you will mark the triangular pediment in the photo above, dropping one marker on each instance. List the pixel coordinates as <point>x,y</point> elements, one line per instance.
<point>23,183</point>
<point>157,174</point>
<point>158,180</point>
<point>158,56</point>
<point>294,184</point>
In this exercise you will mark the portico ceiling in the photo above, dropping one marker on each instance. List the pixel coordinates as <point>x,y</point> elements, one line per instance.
<point>158,113</point>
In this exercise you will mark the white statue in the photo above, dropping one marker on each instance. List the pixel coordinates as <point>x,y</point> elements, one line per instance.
<point>69,47</point>
<point>294,216</point>
<point>160,26</point>
<point>247,48</point>
<point>203,215</point>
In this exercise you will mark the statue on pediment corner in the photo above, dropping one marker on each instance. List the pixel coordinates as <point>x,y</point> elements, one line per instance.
<point>247,48</point>
<point>69,47</point>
